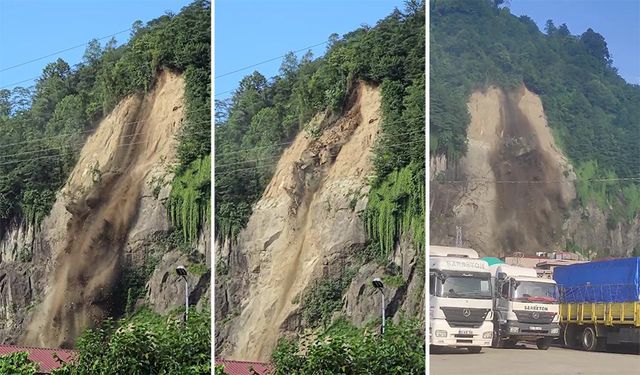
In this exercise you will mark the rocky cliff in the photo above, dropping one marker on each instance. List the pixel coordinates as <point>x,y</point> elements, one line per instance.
<point>307,229</point>
<point>108,222</point>
<point>514,190</point>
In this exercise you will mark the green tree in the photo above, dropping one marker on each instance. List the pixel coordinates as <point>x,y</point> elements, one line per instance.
<point>400,350</point>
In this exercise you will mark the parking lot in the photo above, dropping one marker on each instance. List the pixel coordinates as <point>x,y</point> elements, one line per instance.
<point>527,360</point>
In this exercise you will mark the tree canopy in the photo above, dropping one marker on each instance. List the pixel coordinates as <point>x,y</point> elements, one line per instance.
<point>45,126</point>
<point>264,114</point>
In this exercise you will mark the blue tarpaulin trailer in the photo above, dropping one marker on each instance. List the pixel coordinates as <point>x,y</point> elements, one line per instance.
<point>600,303</point>
<point>616,280</point>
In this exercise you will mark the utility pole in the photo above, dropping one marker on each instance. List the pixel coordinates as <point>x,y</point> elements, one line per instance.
<point>458,236</point>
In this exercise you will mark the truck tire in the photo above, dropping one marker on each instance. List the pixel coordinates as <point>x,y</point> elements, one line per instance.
<point>589,339</point>
<point>474,349</point>
<point>510,343</point>
<point>543,344</point>
<point>570,337</point>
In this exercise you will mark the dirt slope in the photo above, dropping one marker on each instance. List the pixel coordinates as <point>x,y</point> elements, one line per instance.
<point>307,219</point>
<point>92,217</point>
<point>513,187</point>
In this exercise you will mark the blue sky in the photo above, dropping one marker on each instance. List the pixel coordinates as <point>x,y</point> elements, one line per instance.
<point>30,29</point>
<point>617,20</point>
<point>250,31</point>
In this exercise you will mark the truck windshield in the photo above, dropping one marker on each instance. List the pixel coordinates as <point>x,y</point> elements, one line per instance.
<point>531,291</point>
<point>466,287</point>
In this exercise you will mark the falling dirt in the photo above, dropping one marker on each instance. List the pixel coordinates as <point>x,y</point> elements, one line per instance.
<point>514,185</point>
<point>102,198</point>
<point>303,219</point>
<point>529,207</point>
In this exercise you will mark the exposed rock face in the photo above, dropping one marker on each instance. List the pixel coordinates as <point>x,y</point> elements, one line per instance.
<point>166,290</point>
<point>362,302</point>
<point>307,226</point>
<point>514,189</point>
<point>107,217</point>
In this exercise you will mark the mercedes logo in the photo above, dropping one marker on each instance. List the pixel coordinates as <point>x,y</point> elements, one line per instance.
<point>466,313</point>
<point>535,315</point>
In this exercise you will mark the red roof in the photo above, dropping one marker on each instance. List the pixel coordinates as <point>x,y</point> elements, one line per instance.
<point>243,367</point>
<point>42,356</point>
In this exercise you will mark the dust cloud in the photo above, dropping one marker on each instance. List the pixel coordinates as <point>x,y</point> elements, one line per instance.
<point>88,263</point>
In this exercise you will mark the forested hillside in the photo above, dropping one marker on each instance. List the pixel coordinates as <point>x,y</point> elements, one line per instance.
<point>593,113</point>
<point>105,189</point>
<point>319,183</point>
<point>45,126</point>
<point>263,116</point>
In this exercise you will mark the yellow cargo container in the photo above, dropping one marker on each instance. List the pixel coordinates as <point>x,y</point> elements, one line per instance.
<point>591,326</point>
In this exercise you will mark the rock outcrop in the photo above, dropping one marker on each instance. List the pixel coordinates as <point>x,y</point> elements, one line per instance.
<point>109,217</point>
<point>514,189</point>
<point>307,227</point>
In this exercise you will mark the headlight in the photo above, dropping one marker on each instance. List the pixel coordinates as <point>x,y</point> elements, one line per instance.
<point>514,329</point>
<point>441,333</point>
<point>555,331</point>
<point>487,335</point>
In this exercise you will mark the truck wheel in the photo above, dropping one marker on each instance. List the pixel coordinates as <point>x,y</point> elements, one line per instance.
<point>589,339</point>
<point>543,344</point>
<point>510,344</point>
<point>569,337</point>
<point>474,349</point>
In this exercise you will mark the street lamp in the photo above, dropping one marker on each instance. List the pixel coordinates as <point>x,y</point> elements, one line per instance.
<point>182,272</point>
<point>377,283</point>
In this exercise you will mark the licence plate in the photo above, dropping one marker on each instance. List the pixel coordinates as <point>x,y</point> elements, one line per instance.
<point>465,332</point>
<point>535,328</point>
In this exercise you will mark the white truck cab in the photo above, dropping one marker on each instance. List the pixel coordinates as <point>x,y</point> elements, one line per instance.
<point>525,307</point>
<point>460,299</point>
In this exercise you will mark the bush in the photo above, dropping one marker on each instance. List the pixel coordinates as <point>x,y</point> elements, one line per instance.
<point>401,350</point>
<point>145,344</point>
<point>17,364</point>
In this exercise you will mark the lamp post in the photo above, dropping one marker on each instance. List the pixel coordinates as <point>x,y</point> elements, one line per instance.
<point>377,283</point>
<point>182,272</point>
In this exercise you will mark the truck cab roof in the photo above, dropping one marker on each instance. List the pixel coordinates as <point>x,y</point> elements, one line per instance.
<point>445,263</point>
<point>450,251</point>
<point>535,279</point>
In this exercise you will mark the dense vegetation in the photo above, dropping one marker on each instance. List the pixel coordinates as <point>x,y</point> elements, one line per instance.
<point>344,349</point>
<point>17,364</point>
<point>263,116</point>
<point>45,126</point>
<point>592,111</point>
<point>143,344</point>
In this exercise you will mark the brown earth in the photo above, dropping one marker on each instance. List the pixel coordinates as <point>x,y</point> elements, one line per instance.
<point>98,206</point>
<point>512,189</point>
<point>304,225</point>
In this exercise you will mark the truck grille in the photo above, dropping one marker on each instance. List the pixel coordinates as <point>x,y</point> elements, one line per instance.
<point>464,317</point>
<point>535,317</point>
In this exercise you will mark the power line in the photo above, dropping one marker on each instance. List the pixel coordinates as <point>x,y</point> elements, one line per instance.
<point>266,61</point>
<point>291,142</point>
<point>278,156</point>
<point>82,132</point>
<point>19,82</point>
<point>224,92</point>
<point>61,51</point>
<point>77,148</point>
<point>275,164</point>
<point>487,181</point>
<point>82,142</point>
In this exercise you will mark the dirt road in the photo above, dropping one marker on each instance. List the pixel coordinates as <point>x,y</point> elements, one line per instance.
<point>530,361</point>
